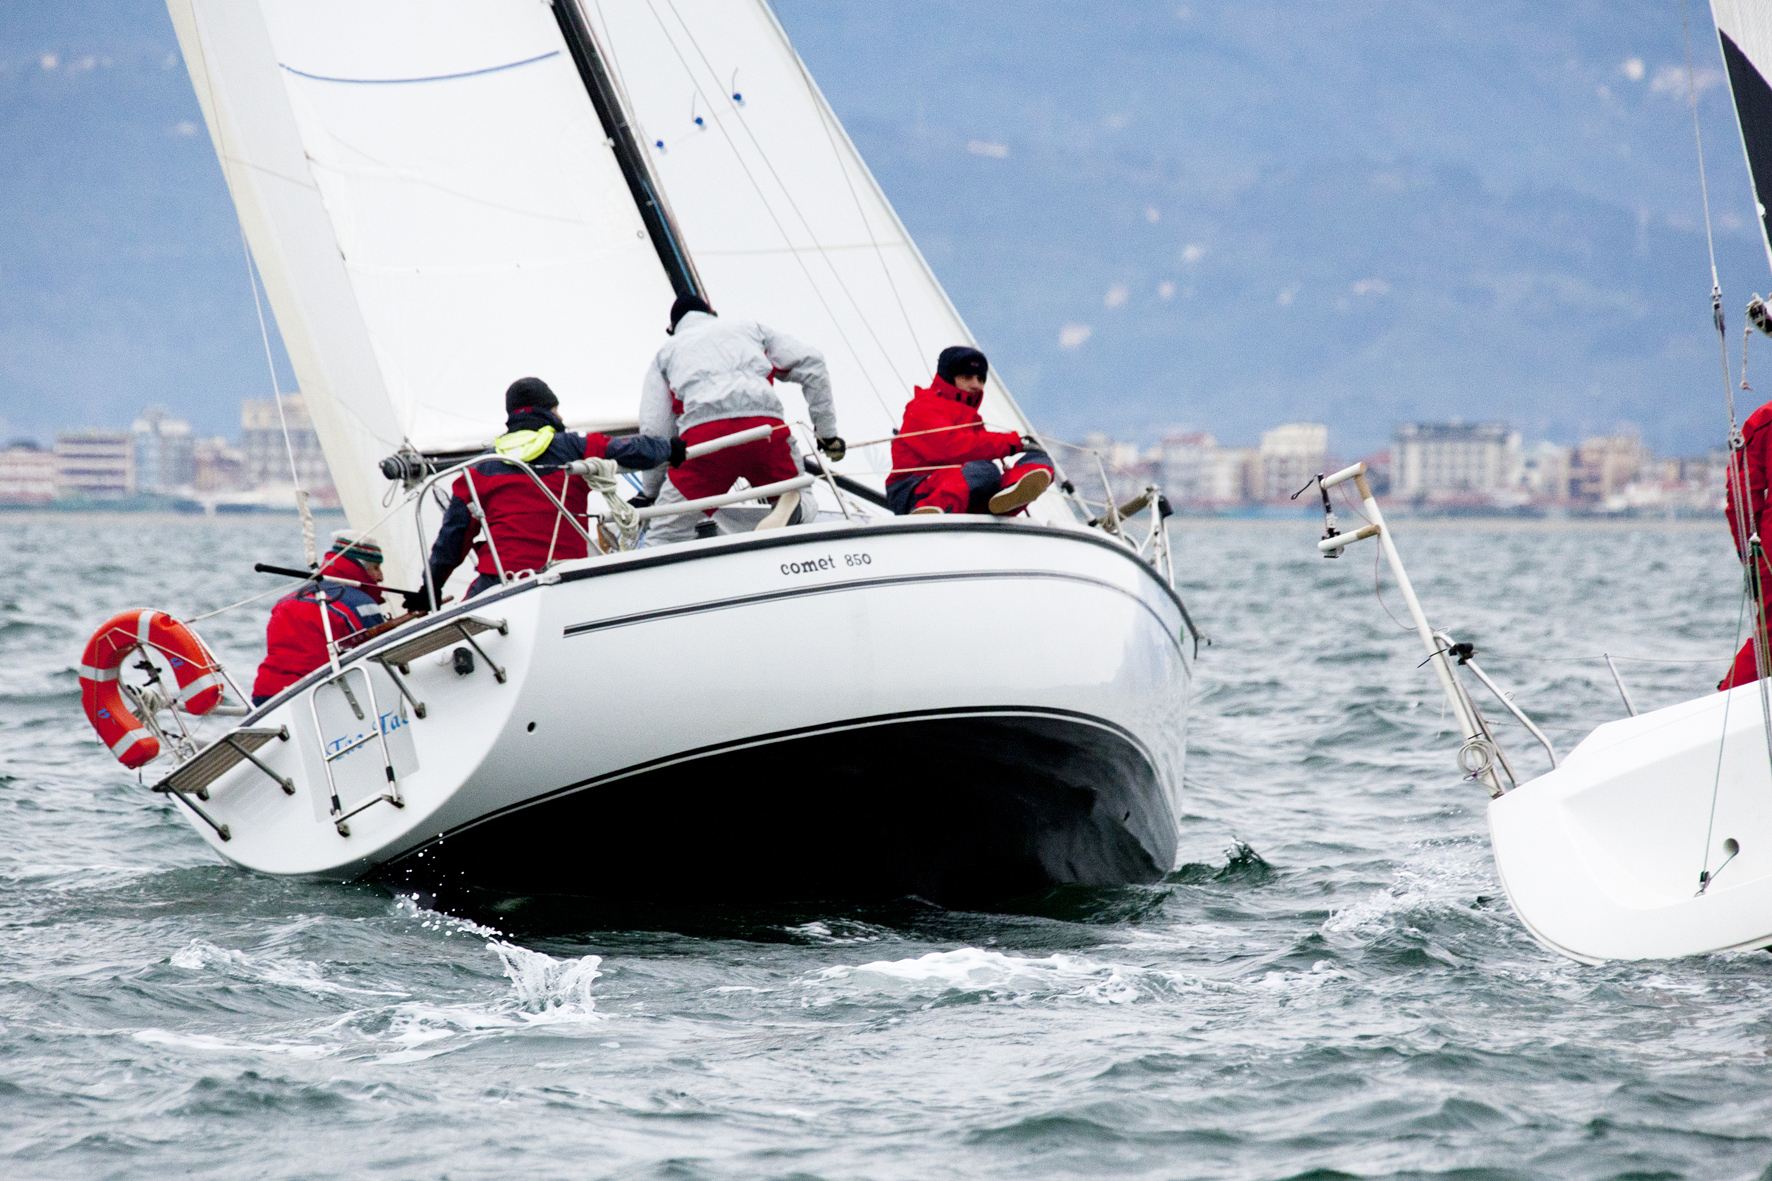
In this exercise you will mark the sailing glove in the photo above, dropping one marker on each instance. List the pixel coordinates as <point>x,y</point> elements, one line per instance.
<point>643,501</point>
<point>834,448</point>
<point>679,452</point>
<point>1029,443</point>
<point>418,601</point>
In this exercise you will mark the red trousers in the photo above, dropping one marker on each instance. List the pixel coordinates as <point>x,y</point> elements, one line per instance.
<point>764,461</point>
<point>1745,671</point>
<point>955,489</point>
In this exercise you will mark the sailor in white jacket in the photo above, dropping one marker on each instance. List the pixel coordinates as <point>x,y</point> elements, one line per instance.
<point>715,377</point>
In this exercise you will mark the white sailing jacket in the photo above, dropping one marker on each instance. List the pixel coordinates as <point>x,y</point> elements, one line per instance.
<point>714,368</point>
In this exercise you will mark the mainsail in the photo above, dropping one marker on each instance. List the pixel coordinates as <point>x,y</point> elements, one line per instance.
<point>438,206</point>
<point>1744,28</point>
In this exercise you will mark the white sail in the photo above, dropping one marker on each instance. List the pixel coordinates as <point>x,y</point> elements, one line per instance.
<point>436,211</point>
<point>784,220</point>
<point>1744,30</point>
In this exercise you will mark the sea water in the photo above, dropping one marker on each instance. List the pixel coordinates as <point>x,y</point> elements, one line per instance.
<point>1328,985</point>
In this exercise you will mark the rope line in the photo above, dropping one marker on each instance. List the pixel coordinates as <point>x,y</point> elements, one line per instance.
<point>310,545</point>
<point>799,257</point>
<point>1716,782</point>
<point>934,430</point>
<point>232,606</point>
<point>826,118</point>
<point>885,353</point>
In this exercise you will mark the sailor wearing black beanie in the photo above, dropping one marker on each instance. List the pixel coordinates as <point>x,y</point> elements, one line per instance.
<point>945,461</point>
<point>960,359</point>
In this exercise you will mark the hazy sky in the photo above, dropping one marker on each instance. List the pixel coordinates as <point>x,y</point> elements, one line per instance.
<point>1220,215</point>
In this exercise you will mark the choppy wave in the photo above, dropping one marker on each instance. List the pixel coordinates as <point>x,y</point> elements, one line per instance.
<point>1328,985</point>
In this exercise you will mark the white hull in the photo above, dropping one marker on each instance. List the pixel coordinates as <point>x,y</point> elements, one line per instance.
<point>1601,857</point>
<point>955,708</point>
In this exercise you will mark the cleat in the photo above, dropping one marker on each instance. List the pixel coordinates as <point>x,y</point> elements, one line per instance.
<point>1024,491</point>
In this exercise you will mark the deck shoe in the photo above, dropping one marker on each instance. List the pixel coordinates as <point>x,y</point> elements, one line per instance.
<point>1024,491</point>
<point>926,508</point>
<point>785,512</point>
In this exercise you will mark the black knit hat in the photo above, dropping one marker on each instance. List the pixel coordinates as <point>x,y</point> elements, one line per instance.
<point>961,359</point>
<point>686,304</point>
<point>530,391</point>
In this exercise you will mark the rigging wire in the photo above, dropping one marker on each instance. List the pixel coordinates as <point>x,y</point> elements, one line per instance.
<point>826,118</point>
<point>786,237</point>
<point>232,606</point>
<point>1716,782</point>
<point>310,546</point>
<point>1747,539</point>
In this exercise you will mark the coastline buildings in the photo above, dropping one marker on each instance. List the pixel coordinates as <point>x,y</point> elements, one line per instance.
<point>1193,469</point>
<point>27,474</point>
<point>162,451</point>
<point>1430,467</point>
<point>94,465</point>
<point>265,455</point>
<point>159,456</point>
<point>1601,467</point>
<point>1290,456</point>
<point>1441,458</point>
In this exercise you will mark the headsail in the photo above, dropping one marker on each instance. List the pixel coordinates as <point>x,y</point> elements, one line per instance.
<point>1744,27</point>
<point>436,211</point>
<point>785,221</point>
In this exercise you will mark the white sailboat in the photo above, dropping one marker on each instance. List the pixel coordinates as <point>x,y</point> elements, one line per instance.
<point>444,195</point>
<point>1652,839</point>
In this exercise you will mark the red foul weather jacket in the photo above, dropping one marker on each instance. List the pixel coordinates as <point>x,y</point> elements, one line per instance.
<point>944,405</point>
<point>295,641</point>
<point>524,523</point>
<point>1748,480</point>
<point>1755,460</point>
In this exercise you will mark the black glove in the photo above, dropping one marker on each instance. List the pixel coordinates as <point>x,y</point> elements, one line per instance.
<point>418,601</point>
<point>643,500</point>
<point>679,452</point>
<point>1029,443</point>
<point>834,448</point>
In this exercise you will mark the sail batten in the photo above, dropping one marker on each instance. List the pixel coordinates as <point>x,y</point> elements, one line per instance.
<point>429,78</point>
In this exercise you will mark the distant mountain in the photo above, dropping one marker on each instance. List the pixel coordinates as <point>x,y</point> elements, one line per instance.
<point>1223,215</point>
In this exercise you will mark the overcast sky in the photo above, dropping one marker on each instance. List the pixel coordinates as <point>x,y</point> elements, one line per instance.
<point>1213,215</point>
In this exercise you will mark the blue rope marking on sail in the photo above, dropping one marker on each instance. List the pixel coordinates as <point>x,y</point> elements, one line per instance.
<point>528,61</point>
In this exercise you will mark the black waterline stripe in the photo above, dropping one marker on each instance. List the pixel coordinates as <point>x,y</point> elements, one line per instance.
<point>702,752</point>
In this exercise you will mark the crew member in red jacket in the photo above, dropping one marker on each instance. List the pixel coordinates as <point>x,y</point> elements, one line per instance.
<point>943,460</point>
<point>525,526</point>
<point>1749,473</point>
<point>295,641</point>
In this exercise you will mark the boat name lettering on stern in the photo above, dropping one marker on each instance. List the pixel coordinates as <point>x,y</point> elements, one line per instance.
<point>815,565</point>
<point>390,722</point>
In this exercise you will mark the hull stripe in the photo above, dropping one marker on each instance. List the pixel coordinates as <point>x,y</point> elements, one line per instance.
<point>579,629</point>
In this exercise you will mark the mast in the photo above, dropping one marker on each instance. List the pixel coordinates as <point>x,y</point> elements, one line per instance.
<point>666,238</point>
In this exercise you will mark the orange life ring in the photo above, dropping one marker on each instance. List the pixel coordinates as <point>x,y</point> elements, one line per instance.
<point>101,694</point>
